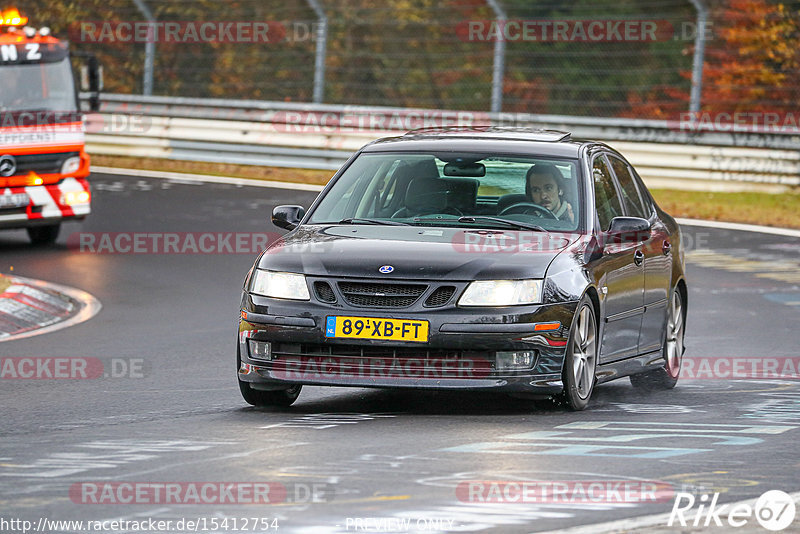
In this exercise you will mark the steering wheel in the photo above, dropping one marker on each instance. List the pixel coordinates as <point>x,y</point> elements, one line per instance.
<point>529,208</point>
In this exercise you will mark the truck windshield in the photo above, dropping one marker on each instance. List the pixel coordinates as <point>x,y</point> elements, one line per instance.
<point>37,86</point>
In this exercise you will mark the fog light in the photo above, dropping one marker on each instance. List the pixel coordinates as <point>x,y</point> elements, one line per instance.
<point>260,350</point>
<point>72,198</point>
<point>515,361</point>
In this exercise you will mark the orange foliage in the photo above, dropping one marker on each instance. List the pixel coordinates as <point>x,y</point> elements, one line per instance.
<point>752,63</point>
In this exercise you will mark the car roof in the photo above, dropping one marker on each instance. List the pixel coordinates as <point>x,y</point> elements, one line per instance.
<point>492,139</point>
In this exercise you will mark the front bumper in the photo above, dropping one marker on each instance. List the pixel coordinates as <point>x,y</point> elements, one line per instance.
<point>459,354</point>
<point>45,205</point>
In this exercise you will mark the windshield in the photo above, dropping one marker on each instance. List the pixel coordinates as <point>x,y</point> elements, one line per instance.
<point>455,189</point>
<point>37,86</point>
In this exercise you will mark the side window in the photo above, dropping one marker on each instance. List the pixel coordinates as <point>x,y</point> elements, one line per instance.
<point>628,189</point>
<point>647,199</point>
<point>605,194</point>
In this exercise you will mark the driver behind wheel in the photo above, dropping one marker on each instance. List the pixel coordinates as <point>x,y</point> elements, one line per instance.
<point>544,185</point>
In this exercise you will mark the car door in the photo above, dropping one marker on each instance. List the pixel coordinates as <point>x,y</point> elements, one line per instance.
<point>621,277</point>
<point>657,255</point>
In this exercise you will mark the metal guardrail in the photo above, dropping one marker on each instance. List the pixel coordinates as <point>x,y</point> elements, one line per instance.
<point>320,136</point>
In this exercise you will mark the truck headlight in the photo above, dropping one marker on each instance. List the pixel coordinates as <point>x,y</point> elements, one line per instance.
<point>279,285</point>
<point>71,165</point>
<point>502,293</point>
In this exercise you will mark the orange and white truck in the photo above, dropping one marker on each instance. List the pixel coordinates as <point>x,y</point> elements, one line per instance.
<point>43,161</point>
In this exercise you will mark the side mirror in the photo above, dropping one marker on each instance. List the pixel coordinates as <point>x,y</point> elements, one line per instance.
<point>92,81</point>
<point>631,229</point>
<point>287,217</point>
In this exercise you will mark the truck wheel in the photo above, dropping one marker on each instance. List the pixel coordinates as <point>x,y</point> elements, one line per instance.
<point>44,235</point>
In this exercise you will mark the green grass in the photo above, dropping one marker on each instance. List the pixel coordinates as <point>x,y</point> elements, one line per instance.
<point>769,209</point>
<point>278,174</point>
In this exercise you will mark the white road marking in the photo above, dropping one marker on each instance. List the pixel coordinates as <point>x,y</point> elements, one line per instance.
<point>740,227</point>
<point>188,178</point>
<point>321,421</point>
<point>109,454</point>
<point>655,408</point>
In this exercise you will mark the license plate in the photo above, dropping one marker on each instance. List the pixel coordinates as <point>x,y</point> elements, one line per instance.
<point>377,328</point>
<point>18,200</point>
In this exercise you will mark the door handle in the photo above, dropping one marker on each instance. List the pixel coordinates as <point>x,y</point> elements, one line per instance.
<point>666,248</point>
<point>638,257</point>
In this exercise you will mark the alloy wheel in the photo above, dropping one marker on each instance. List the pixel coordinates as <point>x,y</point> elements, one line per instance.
<point>584,352</point>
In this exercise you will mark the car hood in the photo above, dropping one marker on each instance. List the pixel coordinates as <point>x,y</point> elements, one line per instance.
<point>414,252</point>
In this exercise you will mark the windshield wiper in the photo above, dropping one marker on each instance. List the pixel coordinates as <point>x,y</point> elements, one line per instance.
<point>514,224</point>
<point>442,221</point>
<point>361,220</point>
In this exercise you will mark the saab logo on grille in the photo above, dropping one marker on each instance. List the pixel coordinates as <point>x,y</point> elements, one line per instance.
<point>8,166</point>
<point>385,269</point>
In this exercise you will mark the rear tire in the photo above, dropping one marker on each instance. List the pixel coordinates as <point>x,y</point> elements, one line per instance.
<point>667,377</point>
<point>580,360</point>
<point>44,235</point>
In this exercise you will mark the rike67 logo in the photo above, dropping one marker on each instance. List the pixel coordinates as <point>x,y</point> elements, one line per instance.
<point>774,510</point>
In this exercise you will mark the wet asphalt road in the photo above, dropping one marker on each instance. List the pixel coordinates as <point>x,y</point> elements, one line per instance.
<point>401,457</point>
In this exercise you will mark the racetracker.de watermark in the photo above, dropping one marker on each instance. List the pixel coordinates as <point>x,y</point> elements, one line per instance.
<point>534,242</point>
<point>564,491</point>
<point>733,367</point>
<point>576,30</point>
<point>19,124</point>
<point>321,368</point>
<point>185,32</point>
<point>70,368</point>
<point>767,122</point>
<point>170,242</point>
<point>367,120</point>
<point>203,493</point>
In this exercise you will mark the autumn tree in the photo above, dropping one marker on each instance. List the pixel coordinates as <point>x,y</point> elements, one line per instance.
<point>754,62</point>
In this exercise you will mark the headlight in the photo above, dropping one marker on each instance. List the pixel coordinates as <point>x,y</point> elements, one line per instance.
<point>502,293</point>
<point>279,285</point>
<point>71,165</point>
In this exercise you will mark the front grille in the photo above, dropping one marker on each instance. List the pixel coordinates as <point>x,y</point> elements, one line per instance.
<point>41,163</point>
<point>375,295</point>
<point>324,292</point>
<point>440,297</point>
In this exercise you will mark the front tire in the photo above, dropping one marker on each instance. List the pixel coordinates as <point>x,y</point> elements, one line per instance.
<point>282,398</point>
<point>667,377</point>
<point>580,360</point>
<point>44,235</point>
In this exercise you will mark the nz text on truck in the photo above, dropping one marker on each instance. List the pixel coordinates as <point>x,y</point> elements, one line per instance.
<point>43,162</point>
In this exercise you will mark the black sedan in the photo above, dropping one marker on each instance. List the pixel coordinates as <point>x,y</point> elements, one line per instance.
<point>503,259</point>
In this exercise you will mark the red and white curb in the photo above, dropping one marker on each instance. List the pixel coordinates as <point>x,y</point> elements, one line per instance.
<point>31,307</point>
